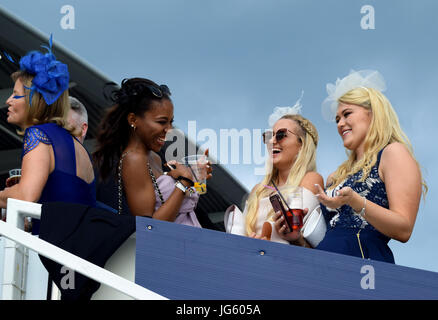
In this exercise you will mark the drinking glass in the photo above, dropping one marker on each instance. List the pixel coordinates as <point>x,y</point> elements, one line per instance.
<point>198,166</point>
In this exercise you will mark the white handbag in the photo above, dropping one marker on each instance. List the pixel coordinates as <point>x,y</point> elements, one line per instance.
<point>314,227</point>
<point>234,221</point>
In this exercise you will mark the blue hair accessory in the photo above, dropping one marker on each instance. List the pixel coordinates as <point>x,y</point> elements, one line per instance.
<point>8,57</point>
<point>51,76</point>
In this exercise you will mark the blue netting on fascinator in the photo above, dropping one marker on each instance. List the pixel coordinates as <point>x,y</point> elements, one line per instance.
<point>51,76</point>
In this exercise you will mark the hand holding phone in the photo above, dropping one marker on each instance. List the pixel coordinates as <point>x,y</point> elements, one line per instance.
<point>176,170</point>
<point>278,206</point>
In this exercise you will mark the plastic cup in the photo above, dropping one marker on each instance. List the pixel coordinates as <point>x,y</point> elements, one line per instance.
<point>198,166</point>
<point>14,177</point>
<point>295,201</point>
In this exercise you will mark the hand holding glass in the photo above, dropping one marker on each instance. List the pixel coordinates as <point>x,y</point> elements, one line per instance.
<point>198,166</point>
<point>296,205</point>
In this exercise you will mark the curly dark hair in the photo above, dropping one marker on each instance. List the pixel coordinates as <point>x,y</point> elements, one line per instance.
<point>135,95</point>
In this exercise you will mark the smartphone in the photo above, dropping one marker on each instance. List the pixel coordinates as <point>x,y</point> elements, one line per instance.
<point>167,167</point>
<point>277,205</point>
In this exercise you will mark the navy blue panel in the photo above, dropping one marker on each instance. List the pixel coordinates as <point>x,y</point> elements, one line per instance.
<point>182,262</point>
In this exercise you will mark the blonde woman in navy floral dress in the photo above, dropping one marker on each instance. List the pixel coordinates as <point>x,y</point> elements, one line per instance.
<point>375,194</point>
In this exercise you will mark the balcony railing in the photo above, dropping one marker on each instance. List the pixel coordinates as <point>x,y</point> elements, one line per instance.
<point>182,262</point>
<point>15,256</point>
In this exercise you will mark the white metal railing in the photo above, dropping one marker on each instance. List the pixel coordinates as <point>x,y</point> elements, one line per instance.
<point>15,261</point>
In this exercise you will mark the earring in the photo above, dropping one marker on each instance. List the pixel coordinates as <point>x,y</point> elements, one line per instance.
<point>133,126</point>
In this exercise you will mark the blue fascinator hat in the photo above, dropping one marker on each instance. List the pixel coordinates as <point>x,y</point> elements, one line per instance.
<point>51,76</point>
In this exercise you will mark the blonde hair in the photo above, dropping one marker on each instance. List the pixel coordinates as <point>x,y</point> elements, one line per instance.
<point>383,130</point>
<point>305,162</point>
<point>39,112</point>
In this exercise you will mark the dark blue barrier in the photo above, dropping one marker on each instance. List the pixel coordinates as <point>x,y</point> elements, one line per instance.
<point>181,262</point>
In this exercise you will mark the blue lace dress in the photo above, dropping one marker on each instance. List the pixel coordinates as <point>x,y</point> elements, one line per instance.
<point>348,233</point>
<point>63,184</point>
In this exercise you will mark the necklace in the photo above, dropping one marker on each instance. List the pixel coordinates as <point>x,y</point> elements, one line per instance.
<point>154,181</point>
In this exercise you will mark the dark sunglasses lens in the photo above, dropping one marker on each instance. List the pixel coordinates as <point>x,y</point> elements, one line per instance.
<point>280,134</point>
<point>267,136</point>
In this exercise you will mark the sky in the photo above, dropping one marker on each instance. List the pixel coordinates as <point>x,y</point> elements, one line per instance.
<point>228,63</point>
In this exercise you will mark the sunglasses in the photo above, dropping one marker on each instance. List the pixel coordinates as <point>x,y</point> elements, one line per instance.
<point>159,91</point>
<point>279,135</point>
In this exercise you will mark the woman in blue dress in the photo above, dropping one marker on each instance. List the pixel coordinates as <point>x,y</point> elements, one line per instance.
<point>374,195</point>
<point>55,165</point>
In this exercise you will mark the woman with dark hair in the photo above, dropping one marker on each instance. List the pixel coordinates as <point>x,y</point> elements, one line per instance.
<point>131,134</point>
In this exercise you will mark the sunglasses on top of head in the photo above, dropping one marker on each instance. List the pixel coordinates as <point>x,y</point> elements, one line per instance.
<point>279,135</point>
<point>159,91</point>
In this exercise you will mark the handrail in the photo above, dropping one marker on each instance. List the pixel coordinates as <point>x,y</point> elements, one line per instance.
<point>18,209</point>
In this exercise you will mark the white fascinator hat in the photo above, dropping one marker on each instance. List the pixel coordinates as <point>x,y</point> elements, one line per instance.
<point>275,116</point>
<point>282,111</point>
<point>356,79</point>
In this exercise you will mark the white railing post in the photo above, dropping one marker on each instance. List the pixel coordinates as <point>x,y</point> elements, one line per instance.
<point>17,210</point>
<point>15,255</point>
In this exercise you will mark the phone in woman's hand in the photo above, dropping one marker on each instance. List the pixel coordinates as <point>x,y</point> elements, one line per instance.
<point>278,206</point>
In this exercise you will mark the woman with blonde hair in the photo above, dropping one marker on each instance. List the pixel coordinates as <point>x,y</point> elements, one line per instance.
<point>55,165</point>
<point>292,163</point>
<point>374,195</point>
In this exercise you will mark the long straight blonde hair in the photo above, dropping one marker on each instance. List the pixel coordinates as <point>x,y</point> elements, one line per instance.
<point>305,162</point>
<point>384,129</point>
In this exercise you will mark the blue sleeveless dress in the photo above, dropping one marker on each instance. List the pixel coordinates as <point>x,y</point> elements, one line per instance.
<point>62,184</point>
<point>348,233</point>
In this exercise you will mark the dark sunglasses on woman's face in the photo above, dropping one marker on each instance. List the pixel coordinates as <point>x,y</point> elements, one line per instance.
<point>279,135</point>
<point>159,91</point>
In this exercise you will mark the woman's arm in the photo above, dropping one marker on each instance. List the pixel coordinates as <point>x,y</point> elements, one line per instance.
<point>402,178</point>
<point>35,169</point>
<point>401,175</point>
<point>140,192</point>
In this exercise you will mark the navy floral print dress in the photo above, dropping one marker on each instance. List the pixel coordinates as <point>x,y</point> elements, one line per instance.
<point>348,233</point>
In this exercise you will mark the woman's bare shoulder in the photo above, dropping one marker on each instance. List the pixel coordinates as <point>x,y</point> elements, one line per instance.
<point>313,177</point>
<point>310,179</point>
<point>134,160</point>
<point>395,149</point>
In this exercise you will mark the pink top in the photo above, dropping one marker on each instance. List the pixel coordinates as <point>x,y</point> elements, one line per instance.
<point>186,213</point>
